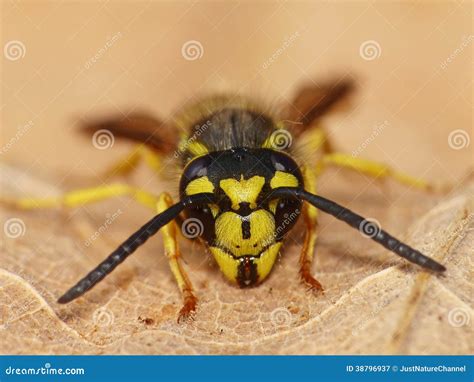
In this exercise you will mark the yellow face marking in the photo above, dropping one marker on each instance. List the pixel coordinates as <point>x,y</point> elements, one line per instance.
<point>266,260</point>
<point>228,265</point>
<point>243,190</point>
<point>283,179</point>
<point>229,232</point>
<point>199,185</point>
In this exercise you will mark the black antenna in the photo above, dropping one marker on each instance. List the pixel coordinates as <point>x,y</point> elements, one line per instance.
<point>359,222</point>
<point>131,244</point>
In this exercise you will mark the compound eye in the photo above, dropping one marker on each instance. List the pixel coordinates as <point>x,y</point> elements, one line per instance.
<point>282,162</point>
<point>197,168</point>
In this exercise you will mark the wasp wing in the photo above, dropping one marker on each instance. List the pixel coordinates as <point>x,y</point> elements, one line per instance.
<point>140,127</point>
<point>312,102</point>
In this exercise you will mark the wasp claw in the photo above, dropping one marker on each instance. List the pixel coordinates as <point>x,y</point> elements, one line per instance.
<point>310,281</point>
<point>189,308</point>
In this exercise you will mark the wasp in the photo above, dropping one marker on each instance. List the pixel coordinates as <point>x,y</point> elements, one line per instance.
<point>242,185</point>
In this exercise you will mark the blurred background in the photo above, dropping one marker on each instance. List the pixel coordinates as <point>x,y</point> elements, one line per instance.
<point>67,61</point>
<point>412,62</point>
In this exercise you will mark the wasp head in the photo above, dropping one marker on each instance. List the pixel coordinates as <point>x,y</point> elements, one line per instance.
<point>245,228</point>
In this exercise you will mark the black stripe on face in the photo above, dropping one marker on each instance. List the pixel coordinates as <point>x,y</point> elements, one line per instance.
<point>247,274</point>
<point>246,229</point>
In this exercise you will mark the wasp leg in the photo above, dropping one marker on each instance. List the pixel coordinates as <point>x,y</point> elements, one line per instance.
<point>172,253</point>
<point>373,169</point>
<point>310,214</point>
<point>81,197</point>
<point>128,164</point>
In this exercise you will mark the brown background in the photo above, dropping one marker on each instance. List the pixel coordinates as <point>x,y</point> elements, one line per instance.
<point>408,86</point>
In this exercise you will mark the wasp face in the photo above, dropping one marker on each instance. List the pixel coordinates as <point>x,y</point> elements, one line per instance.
<point>244,230</point>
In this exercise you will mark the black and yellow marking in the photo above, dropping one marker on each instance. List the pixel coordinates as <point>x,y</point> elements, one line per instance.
<point>246,271</point>
<point>243,231</point>
<point>247,194</point>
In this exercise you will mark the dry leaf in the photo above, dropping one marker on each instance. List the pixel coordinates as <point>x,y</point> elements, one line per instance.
<point>373,302</point>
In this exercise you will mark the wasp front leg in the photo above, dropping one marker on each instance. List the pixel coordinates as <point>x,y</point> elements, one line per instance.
<point>172,253</point>
<point>128,164</point>
<point>373,169</point>
<point>310,215</point>
<point>81,197</point>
